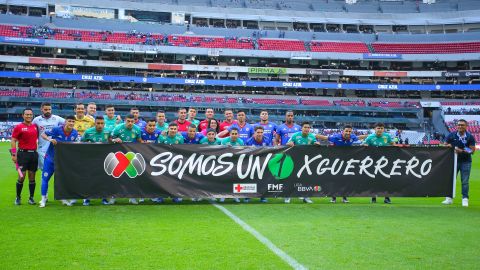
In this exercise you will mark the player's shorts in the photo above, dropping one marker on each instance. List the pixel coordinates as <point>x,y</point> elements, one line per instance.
<point>27,160</point>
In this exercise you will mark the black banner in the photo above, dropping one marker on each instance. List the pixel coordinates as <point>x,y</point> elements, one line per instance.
<point>198,171</point>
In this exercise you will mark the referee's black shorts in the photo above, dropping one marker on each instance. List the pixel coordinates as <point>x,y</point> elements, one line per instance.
<point>27,160</point>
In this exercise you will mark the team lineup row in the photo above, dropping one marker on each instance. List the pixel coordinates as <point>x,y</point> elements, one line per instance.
<point>110,128</point>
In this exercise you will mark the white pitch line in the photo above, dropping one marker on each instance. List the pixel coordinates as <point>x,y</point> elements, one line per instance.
<point>280,253</point>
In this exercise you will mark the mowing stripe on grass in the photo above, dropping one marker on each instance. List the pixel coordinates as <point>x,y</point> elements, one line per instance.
<point>280,253</point>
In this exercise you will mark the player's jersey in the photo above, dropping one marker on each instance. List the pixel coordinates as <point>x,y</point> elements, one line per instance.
<point>384,140</point>
<point>196,140</point>
<point>338,140</point>
<point>225,125</point>
<point>163,127</point>
<point>196,122</point>
<point>125,134</point>
<point>228,141</point>
<point>269,130</point>
<point>92,135</point>
<point>45,124</point>
<point>182,127</point>
<point>110,124</point>
<point>285,132</point>
<point>59,135</point>
<point>244,132</point>
<point>265,142</point>
<point>151,137</point>
<point>206,141</point>
<point>177,139</point>
<point>83,124</point>
<point>298,139</point>
<point>140,123</point>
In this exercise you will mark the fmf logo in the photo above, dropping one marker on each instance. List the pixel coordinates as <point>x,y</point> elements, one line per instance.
<point>275,187</point>
<point>302,188</point>
<point>133,164</point>
<point>244,188</point>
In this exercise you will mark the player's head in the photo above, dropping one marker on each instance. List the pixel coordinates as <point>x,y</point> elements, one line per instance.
<point>233,134</point>
<point>264,115</point>
<point>129,121</point>
<point>182,114</point>
<point>46,109</point>
<point>135,112</point>
<point>172,129</point>
<point>27,115</point>
<point>306,128</point>
<point>211,133</point>
<point>99,123</point>
<point>228,113</point>
<point>69,122</point>
<point>209,113</point>
<point>347,132</point>
<point>379,129</point>
<point>258,133</point>
<point>161,117</point>
<point>91,108</point>
<point>192,131</point>
<point>80,109</point>
<point>289,117</point>
<point>241,116</point>
<point>213,124</point>
<point>151,125</point>
<point>110,111</point>
<point>192,113</point>
<point>462,125</point>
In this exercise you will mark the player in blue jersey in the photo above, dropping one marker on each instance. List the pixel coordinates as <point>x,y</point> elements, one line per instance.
<point>150,133</point>
<point>345,138</point>
<point>268,127</point>
<point>258,140</point>
<point>64,133</point>
<point>245,130</point>
<point>136,116</point>
<point>192,136</point>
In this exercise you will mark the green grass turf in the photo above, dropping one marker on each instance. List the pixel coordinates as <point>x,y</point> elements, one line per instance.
<point>412,233</point>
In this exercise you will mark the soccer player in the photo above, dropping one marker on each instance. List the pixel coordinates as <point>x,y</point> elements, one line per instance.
<point>379,138</point>
<point>127,132</point>
<point>65,133</point>
<point>172,136</point>
<point>212,124</point>
<point>345,138</point>
<point>111,121</point>
<point>136,115</point>
<point>45,122</point>
<point>233,139</point>
<point>96,134</point>
<point>82,122</point>
<point>228,113</point>
<point>464,144</point>
<point>268,127</point>
<point>26,158</point>
<point>211,138</point>
<point>245,130</point>
<point>161,121</point>
<point>209,114</point>
<point>92,109</point>
<point>258,138</point>
<point>192,136</point>
<point>182,122</point>
<point>192,113</point>
<point>304,137</point>
<point>286,130</point>
<point>150,133</point>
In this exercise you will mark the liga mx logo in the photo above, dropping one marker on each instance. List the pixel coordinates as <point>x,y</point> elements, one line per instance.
<point>133,164</point>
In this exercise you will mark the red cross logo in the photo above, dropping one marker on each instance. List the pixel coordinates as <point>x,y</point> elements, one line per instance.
<point>238,188</point>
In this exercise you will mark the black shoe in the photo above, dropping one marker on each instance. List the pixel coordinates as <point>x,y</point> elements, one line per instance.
<point>345,200</point>
<point>387,200</point>
<point>18,201</point>
<point>374,200</point>
<point>31,201</point>
<point>333,200</point>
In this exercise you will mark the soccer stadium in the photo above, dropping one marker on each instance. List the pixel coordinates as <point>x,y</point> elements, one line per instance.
<point>330,134</point>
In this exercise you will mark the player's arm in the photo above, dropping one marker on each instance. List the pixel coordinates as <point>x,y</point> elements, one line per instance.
<point>46,137</point>
<point>223,133</point>
<point>362,137</point>
<point>13,149</point>
<point>321,137</point>
<point>278,139</point>
<point>290,142</point>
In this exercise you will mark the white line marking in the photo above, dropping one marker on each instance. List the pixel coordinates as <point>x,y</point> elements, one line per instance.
<point>280,253</point>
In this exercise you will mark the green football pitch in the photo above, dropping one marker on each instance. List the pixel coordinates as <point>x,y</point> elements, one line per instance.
<point>411,233</point>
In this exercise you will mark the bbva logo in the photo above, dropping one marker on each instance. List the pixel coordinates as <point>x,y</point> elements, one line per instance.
<point>133,164</point>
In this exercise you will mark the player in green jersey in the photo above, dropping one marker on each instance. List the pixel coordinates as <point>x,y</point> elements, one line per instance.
<point>233,139</point>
